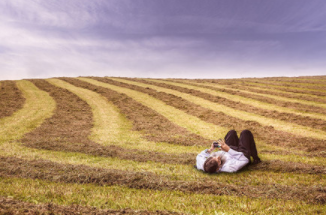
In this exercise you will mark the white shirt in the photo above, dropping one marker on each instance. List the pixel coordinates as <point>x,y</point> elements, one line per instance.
<point>234,161</point>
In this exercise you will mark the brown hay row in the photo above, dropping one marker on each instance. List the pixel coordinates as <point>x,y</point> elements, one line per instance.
<point>297,80</point>
<point>304,86</point>
<point>11,98</point>
<point>243,86</point>
<point>265,133</point>
<point>289,89</point>
<point>13,206</point>
<point>267,86</point>
<point>154,126</point>
<point>70,125</point>
<point>265,99</point>
<point>312,122</point>
<point>47,170</point>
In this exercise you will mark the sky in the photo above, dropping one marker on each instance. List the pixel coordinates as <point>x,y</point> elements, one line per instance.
<point>162,38</point>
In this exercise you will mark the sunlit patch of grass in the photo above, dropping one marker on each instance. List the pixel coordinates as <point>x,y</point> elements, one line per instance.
<point>280,98</point>
<point>265,121</point>
<point>38,107</point>
<point>191,123</point>
<point>115,197</point>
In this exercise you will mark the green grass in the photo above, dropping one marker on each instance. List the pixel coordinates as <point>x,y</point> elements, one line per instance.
<point>115,197</point>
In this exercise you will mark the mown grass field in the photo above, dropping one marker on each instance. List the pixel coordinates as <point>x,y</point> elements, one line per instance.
<point>128,145</point>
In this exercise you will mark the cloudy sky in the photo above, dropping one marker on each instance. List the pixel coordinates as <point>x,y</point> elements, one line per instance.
<point>162,38</point>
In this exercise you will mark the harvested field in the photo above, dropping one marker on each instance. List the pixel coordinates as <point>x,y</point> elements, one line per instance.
<point>127,145</point>
<point>267,134</point>
<point>11,98</point>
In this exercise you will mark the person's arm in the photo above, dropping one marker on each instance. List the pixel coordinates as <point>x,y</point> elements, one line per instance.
<point>202,156</point>
<point>238,162</point>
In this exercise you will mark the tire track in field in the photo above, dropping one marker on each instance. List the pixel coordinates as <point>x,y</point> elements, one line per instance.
<point>47,170</point>
<point>154,126</point>
<point>38,106</point>
<point>209,101</point>
<point>11,98</point>
<point>269,110</point>
<point>13,206</point>
<point>68,130</point>
<point>265,133</point>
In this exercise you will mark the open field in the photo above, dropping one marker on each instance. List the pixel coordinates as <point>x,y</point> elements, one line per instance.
<point>110,145</point>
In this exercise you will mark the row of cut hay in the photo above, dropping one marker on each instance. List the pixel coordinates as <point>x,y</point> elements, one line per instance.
<point>12,206</point>
<point>298,80</point>
<point>318,87</point>
<point>193,109</point>
<point>254,83</point>
<point>304,85</point>
<point>292,158</point>
<point>80,174</point>
<point>94,153</point>
<point>238,103</point>
<point>271,93</point>
<point>157,128</point>
<point>11,98</point>
<point>35,134</point>
<point>70,126</point>
<point>282,101</point>
<point>116,197</point>
<point>311,92</point>
<point>276,111</point>
<point>37,107</point>
<point>268,133</point>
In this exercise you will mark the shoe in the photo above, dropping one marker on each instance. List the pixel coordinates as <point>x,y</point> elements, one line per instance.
<point>256,161</point>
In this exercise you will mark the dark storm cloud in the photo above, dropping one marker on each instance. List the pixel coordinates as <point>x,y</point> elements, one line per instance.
<point>164,38</point>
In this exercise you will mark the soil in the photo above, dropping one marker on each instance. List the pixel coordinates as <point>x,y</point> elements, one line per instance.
<point>11,98</point>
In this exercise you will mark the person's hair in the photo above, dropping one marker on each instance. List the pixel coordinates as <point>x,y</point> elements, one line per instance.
<point>210,165</point>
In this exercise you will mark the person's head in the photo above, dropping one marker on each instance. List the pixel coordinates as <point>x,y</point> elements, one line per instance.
<point>212,164</point>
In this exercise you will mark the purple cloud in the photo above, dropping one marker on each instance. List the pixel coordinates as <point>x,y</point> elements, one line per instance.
<point>164,38</point>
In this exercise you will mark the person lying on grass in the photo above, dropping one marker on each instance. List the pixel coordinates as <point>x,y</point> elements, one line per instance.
<point>234,154</point>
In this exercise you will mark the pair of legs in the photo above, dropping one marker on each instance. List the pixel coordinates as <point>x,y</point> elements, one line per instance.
<point>246,144</point>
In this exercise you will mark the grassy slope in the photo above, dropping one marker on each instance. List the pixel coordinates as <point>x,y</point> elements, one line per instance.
<point>33,113</point>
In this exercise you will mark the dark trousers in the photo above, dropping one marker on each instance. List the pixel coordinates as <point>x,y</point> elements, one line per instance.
<point>246,144</point>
